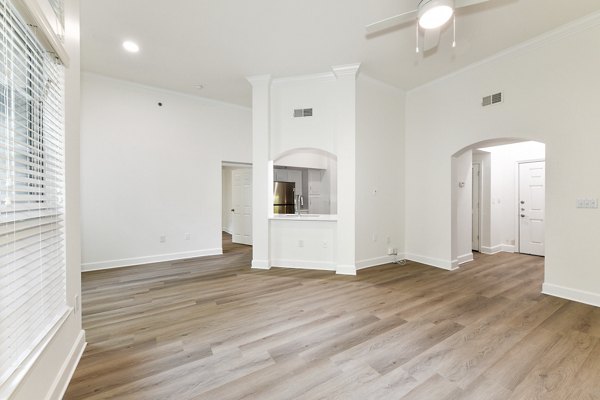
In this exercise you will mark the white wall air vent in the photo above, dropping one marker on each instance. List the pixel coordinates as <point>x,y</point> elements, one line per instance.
<point>492,99</point>
<point>303,112</point>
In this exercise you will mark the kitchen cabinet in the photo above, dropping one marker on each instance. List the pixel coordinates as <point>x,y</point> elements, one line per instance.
<point>296,177</point>
<point>280,175</point>
<point>289,175</point>
<point>315,202</point>
<point>314,182</point>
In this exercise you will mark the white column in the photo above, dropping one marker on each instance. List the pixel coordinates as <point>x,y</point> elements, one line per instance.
<point>346,152</point>
<point>261,115</point>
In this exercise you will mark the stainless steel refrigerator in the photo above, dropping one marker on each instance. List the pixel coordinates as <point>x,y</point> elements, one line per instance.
<point>283,197</point>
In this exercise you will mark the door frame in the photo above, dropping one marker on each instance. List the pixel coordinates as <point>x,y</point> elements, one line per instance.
<point>229,164</point>
<point>518,197</point>
<point>479,198</point>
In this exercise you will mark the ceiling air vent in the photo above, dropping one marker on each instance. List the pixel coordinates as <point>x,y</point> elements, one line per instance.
<point>492,99</point>
<point>303,112</point>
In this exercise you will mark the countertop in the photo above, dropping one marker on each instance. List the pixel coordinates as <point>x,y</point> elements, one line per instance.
<point>304,217</point>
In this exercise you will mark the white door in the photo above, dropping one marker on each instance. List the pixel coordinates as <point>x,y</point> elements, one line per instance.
<point>242,205</point>
<point>532,192</point>
<point>476,205</point>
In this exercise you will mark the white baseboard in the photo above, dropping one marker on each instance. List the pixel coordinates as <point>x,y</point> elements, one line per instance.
<point>261,264</point>
<point>491,250</point>
<point>465,258</point>
<point>345,269</point>
<point>59,387</point>
<point>373,262</point>
<point>127,262</point>
<point>302,264</point>
<point>506,248</point>
<point>434,262</point>
<point>580,296</point>
<point>227,230</point>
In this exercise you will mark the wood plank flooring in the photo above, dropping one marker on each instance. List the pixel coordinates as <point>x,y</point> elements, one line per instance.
<point>212,328</point>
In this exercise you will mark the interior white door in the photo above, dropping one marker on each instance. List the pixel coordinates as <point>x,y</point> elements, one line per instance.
<point>476,206</point>
<point>532,207</point>
<point>242,205</point>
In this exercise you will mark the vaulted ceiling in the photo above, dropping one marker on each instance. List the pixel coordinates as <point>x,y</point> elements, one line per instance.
<point>217,43</point>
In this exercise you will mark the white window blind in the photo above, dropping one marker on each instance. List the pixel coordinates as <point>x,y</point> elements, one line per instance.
<point>32,251</point>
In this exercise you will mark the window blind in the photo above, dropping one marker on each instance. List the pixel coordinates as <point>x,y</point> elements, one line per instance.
<point>32,250</point>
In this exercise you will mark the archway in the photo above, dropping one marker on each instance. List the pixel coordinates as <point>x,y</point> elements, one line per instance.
<point>309,173</point>
<point>496,217</point>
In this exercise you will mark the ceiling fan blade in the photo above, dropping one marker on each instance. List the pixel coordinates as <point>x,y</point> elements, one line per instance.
<point>466,3</point>
<point>432,39</point>
<point>391,22</point>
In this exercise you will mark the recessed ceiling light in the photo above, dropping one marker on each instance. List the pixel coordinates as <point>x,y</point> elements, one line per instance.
<point>130,46</point>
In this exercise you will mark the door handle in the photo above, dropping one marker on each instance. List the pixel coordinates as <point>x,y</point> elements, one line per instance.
<point>233,210</point>
<point>522,215</point>
<point>522,202</point>
<point>522,209</point>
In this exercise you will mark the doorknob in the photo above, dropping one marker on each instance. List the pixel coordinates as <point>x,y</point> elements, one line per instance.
<point>522,215</point>
<point>522,209</point>
<point>522,202</point>
<point>233,210</point>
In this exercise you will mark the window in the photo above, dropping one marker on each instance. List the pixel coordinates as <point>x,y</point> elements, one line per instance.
<point>59,9</point>
<point>32,250</point>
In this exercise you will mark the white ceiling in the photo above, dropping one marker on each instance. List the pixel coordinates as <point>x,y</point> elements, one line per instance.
<point>219,42</point>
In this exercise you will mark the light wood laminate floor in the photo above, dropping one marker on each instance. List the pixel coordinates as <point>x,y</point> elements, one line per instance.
<point>212,328</point>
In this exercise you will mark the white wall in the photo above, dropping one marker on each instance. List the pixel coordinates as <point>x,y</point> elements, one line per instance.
<point>317,248</point>
<point>550,88</point>
<point>379,171</point>
<point>484,159</point>
<point>50,373</point>
<point>149,171</point>
<point>316,92</point>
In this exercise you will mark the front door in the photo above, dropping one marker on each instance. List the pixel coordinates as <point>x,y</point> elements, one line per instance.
<point>242,205</point>
<point>532,192</point>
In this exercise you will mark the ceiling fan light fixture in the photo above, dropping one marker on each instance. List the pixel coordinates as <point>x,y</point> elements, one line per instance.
<point>130,46</point>
<point>435,13</point>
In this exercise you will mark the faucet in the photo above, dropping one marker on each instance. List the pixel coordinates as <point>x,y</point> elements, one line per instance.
<point>299,202</point>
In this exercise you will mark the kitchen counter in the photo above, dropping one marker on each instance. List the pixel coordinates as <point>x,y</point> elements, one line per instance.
<point>304,217</point>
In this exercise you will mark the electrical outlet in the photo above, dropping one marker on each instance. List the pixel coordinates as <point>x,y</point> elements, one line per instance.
<point>188,236</point>
<point>300,243</point>
<point>162,239</point>
<point>392,251</point>
<point>388,240</point>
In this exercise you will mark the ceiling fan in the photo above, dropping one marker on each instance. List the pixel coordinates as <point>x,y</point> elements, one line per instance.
<point>431,15</point>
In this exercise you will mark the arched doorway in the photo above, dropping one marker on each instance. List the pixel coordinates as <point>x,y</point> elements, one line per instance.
<point>498,199</point>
